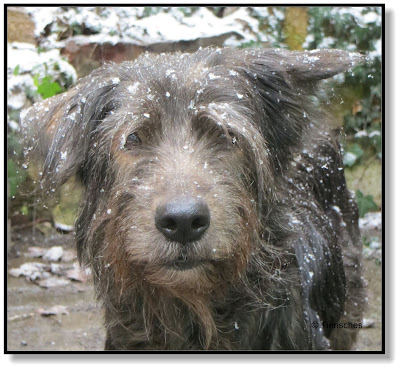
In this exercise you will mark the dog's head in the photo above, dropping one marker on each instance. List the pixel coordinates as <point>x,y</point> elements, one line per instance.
<point>179,156</point>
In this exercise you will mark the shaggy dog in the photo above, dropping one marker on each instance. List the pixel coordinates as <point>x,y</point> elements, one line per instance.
<point>215,212</point>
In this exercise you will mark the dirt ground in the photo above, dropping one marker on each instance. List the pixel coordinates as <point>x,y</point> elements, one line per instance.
<point>76,322</point>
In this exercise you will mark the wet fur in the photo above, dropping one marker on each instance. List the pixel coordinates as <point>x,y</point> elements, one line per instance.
<point>242,130</point>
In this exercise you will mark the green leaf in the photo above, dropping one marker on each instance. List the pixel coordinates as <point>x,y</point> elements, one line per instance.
<point>365,203</point>
<point>46,87</point>
<point>24,210</point>
<point>16,70</point>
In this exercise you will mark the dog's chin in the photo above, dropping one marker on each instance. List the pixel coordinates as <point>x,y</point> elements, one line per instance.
<point>180,275</point>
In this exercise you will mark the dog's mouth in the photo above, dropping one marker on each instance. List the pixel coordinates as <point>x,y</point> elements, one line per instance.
<point>183,263</point>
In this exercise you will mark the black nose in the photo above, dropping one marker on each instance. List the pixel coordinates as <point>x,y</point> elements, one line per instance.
<point>184,219</point>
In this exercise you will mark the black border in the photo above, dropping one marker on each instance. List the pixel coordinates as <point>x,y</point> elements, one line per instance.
<point>291,352</point>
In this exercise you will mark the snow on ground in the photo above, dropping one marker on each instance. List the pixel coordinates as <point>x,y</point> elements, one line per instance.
<point>128,24</point>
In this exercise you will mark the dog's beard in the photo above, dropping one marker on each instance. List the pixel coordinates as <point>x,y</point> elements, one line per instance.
<point>188,270</point>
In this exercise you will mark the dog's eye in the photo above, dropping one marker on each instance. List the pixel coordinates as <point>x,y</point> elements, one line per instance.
<point>234,138</point>
<point>132,140</point>
<point>230,137</point>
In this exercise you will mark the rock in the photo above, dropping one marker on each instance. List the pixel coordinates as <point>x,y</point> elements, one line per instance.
<point>372,221</point>
<point>368,323</point>
<point>35,252</point>
<point>56,269</point>
<point>53,282</point>
<point>69,255</point>
<point>52,311</point>
<point>63,228</point>
<point>20,317</point>
<point>53,254</point>
<point>31,270</point>
<point>77,274</point>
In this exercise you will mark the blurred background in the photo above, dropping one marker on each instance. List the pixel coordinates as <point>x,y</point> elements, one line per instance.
<point>49,48</point>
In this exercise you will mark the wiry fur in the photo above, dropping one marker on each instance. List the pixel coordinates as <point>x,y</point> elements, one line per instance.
<point>242,130</point>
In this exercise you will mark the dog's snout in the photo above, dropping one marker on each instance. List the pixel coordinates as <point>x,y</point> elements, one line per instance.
<point>183,219</point>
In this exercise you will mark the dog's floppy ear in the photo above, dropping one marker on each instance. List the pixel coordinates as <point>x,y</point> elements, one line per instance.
<point>57,131</point>
<point>311,65</point>
<point>284,81</point>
